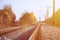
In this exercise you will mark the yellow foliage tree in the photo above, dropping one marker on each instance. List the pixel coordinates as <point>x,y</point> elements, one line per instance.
<point>33,17</point>
<point>27,19</point>
<point>56,19</point>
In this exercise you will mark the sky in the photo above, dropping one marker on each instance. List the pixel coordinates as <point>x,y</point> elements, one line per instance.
<point>39,7</point>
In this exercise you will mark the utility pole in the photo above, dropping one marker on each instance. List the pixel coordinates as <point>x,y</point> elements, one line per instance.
<point>53,6</point>
<point>46,16</point>
<point>39,18</point>
<point>53,11</point>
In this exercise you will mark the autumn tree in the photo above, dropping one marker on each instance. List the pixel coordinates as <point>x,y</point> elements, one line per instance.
<point>27,19</point>
<point>12,17</point>
<point>7,16</point>
<point>54,21</point>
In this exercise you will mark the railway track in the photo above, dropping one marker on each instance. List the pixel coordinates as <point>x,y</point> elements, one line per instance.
<point>46,32</point>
